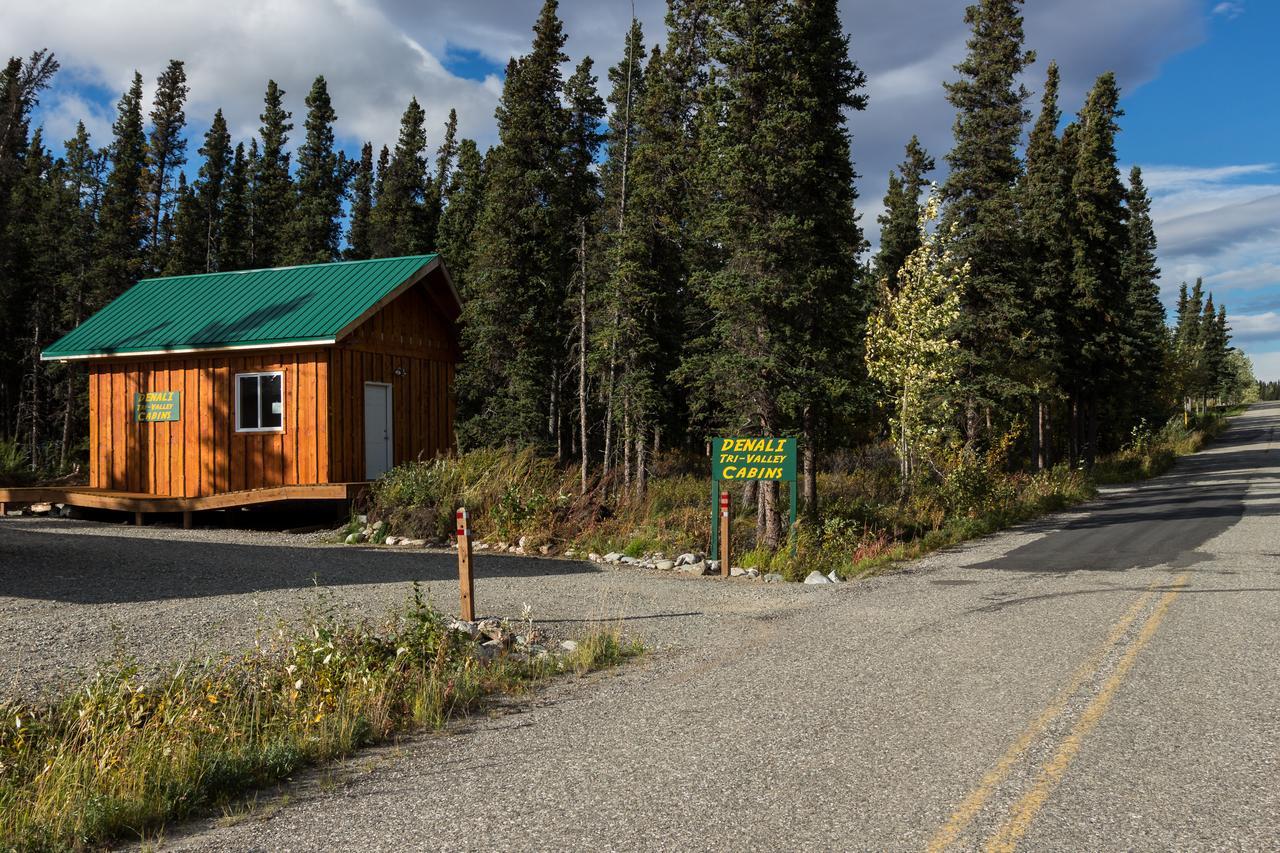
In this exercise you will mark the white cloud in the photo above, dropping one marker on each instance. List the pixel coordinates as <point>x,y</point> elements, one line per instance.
<point>1229,9</point>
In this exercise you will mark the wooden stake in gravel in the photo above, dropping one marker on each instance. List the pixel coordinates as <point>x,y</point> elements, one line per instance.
<point>466,583</point>
<point>724,534</point>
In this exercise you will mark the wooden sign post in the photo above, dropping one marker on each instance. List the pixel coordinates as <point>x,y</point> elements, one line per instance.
<point>466,584</point>
<point>724,534</point>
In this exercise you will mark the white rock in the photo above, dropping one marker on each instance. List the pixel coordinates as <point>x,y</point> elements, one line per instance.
<point>544,550</point>
<point>686,560</point>
<point>571,553</point>
<point>416,543</point>
<point>41,508</point>
<point>816,577</point>
<point>569,645</point>
<point>737,572</point>
<point>523,543</point>
<point>630,561</point>
<point>698,568</point>
<point>354,539</point>
<point>713,566</point>
<point>665,565</point>
<point>468,628</point>
<point>594,557</point>
<point>362,519</point>
<point>833,577</point>
<point>613,557</point>
<point>753,573</point>
<point>391,540</point>
<point>773,577</point>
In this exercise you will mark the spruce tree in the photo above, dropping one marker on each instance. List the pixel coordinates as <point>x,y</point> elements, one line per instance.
<point>122,222</point>
<point>166,155</point>
<point>316,228</point>
<point>980,202</point>
<point>618,320</point>
<point>516,290</point>
<point>20,85</point>
<point>235,238</point>
<point>776,149</point>
<point>462,200</point>
<point>274,198</point>
<point>359,245</point>
<point>438,184</point>
<point>899,224</point>
<point>1147,334</point>
<point>399,221</point>
<point>1044,194</point>
<point>187,250</point>
<point>1098,296</point>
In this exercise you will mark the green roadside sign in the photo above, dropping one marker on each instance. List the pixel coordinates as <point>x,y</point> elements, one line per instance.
<point>751,458</point>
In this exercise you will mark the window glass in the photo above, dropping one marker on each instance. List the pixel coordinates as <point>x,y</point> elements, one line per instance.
<point>248,408</point>
<point>272,409</point>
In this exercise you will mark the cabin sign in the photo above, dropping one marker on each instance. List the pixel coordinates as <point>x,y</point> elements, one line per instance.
<point>157,406</point>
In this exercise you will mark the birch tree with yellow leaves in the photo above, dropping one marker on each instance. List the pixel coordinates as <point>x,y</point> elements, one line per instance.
<point>911,344</point>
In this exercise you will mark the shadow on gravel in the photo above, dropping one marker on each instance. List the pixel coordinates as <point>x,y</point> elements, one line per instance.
<point>124,569</point>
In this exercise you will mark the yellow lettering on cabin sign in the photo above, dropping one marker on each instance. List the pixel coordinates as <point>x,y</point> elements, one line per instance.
<point>156,406</point>
<point>753,458</point>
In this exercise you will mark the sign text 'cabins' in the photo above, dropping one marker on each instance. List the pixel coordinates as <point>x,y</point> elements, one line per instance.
<point>753,459</point>
<point>157,406</point>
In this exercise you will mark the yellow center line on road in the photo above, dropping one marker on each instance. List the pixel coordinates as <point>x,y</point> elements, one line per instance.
<point>968,810</point>
<point>1025,810</point>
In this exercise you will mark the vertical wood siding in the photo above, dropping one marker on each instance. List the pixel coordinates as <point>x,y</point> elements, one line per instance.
<point>201,453</point>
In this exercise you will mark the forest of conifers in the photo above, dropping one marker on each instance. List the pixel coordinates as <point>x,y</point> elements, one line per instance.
<point>669,253</point>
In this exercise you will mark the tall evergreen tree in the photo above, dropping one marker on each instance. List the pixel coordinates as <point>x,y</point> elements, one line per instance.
<point>900,222</point>
<point>512,334</point>
<point>1044,194</point>
<point>186,251</point>
<point>438,184</point>
<point>321,185</point>
<point>166,155</point>
<point>399,220</point>
<point>1098,296</point>
<point>122,222</point>
<point>211,186</point>
<point>979,193</point>
<point>462,202</point>
<point>359,238</point>
<point>20,85</point>
<point>235,247</point>
<point>777,151</point>
<point>1147,334</point>
<point>274,198</point>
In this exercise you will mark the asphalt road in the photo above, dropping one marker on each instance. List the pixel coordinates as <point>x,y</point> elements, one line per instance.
<point>1102,680</point>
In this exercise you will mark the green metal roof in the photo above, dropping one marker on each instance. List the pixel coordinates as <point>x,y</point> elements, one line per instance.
<point>250,308</point>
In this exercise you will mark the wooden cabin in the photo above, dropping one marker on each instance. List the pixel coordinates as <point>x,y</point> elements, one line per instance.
<point>222,383</point>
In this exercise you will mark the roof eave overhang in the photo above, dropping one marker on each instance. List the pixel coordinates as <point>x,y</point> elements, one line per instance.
<point>210,350</point>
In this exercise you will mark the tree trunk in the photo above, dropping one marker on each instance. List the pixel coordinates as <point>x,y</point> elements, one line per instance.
<point>772,515</point>
<point>626,445</point>
<point>582,353</point>
<point>1092,454</point>
<point>1037,462</point>
<point>640,463</point>
<point>810,461</point>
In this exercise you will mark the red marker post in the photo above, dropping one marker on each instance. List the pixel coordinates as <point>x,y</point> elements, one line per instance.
<point>466,584</point>
<point>724,534</point>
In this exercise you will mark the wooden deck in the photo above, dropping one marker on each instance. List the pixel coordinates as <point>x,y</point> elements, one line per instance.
<point>141,502</point>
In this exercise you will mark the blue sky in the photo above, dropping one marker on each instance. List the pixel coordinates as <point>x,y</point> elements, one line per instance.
<point>1198,80</point>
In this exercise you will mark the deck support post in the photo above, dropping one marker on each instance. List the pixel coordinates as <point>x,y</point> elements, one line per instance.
<point>4,509</point>
<point>137,519</point>
<point>186,519</point>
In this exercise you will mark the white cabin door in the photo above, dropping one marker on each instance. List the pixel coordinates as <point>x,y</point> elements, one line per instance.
<point>377,429</point>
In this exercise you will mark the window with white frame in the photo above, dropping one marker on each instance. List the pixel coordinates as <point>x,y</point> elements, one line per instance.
<point>260,402</point>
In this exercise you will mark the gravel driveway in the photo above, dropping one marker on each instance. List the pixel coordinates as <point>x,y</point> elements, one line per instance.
<point>74,592</point>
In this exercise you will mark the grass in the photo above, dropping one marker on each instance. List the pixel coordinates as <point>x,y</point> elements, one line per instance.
<point>125,753</point>
<point>868,521</point>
